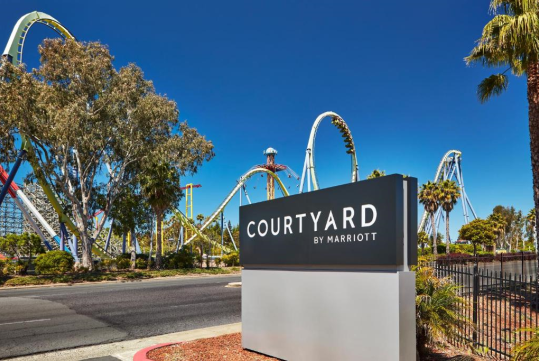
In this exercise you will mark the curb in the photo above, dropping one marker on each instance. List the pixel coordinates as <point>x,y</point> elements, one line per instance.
<point>125,280</point>
<point>141,355</point>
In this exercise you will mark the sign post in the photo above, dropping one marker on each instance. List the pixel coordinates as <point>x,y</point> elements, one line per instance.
<point>327,273</point>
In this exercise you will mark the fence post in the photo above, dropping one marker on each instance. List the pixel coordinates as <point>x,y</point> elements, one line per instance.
<point>475,299</point>
<point>501,260</point>
<point>522,258</point>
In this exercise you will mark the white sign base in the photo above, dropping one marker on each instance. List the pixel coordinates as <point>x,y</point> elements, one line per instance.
<point>329,315</point>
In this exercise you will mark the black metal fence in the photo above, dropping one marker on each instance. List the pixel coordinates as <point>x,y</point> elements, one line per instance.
<point>499,305</point>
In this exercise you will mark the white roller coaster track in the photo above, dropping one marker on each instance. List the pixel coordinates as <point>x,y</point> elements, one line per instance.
<point>238,186</point>
<point>309,169</point>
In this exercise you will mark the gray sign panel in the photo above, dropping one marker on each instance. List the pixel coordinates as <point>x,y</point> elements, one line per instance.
<point>362,223</point>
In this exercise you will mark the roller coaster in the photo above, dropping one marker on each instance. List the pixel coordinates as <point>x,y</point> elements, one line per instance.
<point>449,168</point>
<point>14,53</point>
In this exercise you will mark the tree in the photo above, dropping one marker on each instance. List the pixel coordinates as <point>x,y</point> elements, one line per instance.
<point>511,40</point>
<point>429,196</point>
<point>21,245</point>
<point>530,225</point>
<point>161,190</point>
<point>422,239</point>
<point>376,174</point>
<point>88,123</point>
<point>130,212</point>
<point>479,232</point>
<point>514,225</point>
<point>449,194</point>
<point>200,218</point>
<point>498,226</point>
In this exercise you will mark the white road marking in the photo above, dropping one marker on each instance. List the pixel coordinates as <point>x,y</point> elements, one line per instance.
<point>14,323</point>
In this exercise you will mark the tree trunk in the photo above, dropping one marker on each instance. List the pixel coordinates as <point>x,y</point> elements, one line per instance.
<point>434,234</point>
<point>150,254</point>
<point>133,251</point>
<point>533,119</point>
<point>446,232</point>
<point>158,242</point>
<point>86,245</point>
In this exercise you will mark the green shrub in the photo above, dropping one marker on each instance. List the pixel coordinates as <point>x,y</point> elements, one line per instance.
<point>218,261</point>
<point>2,266</point>
<point>437,309</point>
<point>141,263</point>
<point>461,248</point>
<point>529,349</point>
<point>232,259</point>
<point>123,263</point>
<point>181,259</point>
<point>54,262</point>
<point>109,264</point>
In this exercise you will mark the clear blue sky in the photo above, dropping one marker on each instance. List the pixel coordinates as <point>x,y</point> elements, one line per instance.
<point>253,74</point>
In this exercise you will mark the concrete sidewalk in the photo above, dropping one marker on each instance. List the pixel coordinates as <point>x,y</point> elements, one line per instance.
<point>125,350</point>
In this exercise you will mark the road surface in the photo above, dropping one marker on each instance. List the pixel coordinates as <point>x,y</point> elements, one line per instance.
<point>45,319</point>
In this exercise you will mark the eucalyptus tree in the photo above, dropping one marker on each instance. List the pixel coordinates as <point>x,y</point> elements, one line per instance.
<point>511,40</point>
<point>449,194</point>
<point>87,123</point>
<point>429,197</point>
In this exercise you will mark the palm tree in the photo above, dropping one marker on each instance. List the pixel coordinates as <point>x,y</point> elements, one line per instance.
<point>438,309</point>
<point>498,225</point>
<point>377,173</point>
<point>511,40</point>
<point>200,218</point>
<point>159,186</point>
<point>429,197</point>
<point>449,194</point>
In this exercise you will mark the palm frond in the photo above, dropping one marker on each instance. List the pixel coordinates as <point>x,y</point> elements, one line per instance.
<point>513,7</point>
<point>495,84</point>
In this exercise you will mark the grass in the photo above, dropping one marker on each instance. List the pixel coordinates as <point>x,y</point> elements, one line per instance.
<point>11,281</point>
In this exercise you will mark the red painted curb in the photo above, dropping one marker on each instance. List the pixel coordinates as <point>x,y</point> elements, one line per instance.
<point>141,355</point>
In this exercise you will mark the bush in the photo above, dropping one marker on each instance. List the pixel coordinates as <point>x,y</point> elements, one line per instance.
<point>54,262</point>
<point>123,263</point>
<point>182,259</point>
<point>461,248</point>
<point>529,349</point>
<point>141,263</point>
<point>232,259</point>
<point>437,309</point>
<point>109,264</point>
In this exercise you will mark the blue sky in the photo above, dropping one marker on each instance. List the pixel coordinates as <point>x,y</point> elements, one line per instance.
<point>253,74</point>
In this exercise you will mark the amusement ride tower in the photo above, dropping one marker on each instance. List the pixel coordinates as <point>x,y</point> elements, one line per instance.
<point>271,166</point>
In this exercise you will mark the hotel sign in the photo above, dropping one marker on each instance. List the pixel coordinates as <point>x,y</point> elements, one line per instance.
<point>365,223</point>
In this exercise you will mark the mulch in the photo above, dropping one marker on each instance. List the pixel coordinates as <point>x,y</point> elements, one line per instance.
<point>227,347</point>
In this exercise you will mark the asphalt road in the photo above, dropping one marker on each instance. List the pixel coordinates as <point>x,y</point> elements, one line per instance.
<point>52,318</point>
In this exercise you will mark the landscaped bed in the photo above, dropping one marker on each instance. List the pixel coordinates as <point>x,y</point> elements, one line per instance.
<point>227,347</point>
<point>109,276</point>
